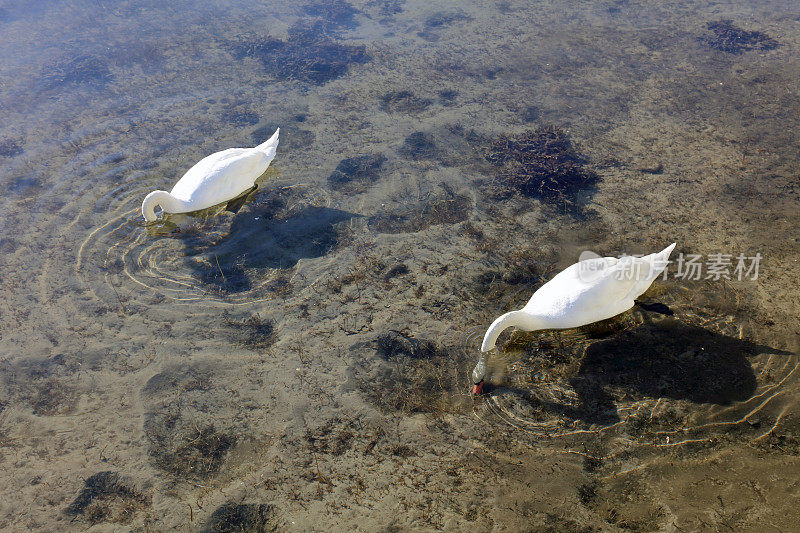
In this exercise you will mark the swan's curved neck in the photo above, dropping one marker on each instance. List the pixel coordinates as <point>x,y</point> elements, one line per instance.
<point>520,319</point>
<point>503,322</point>
<point>168,203</point>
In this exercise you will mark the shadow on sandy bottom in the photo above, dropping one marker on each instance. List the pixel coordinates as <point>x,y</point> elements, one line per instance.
<point>665,360</point>
<point>257,241</point>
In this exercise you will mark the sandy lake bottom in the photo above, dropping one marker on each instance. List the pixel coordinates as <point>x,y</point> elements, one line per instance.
<point>304,364</point>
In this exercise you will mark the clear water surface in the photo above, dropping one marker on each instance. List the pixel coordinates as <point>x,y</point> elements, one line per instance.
<point>304,364</point>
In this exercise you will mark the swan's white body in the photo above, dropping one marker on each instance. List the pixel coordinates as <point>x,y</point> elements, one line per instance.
<point>588,291</point>
<point>215,179</point>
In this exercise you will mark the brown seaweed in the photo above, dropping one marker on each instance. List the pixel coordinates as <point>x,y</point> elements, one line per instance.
<point>444,209</point>
<point>726,37</point>
<point>310,54</point>
<point>107,497</point>
<point>404,102</point>
<point>242,517</point>
<point>541,163</point>
<point>356,174</point>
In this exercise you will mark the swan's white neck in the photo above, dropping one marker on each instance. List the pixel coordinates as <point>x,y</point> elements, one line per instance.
<point>168,203</point>
<point>521,319</point>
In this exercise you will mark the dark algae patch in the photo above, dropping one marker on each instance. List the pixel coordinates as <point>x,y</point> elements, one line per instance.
<point>184,430</point>
<point>240,118</point>
<point>337,13</point>
<point>44,386</point>
<point>541,163</point>
<point>197,454</point>
<point>726,37</point>
<point>85,69</point>
<point>419,145</point>
<point>530,113</point>
<point>254,332</point>
<point>447,97</point>
<point>242,518</point>
<point>439,21</point>
<point>449,208</point>
<point>53,397</point>
<point>317,63</point>
<point>292,136</point>
<point>388,7</point>
<point>107,497</point>
<point>410,375</point>
<point>356,174</point>
<point>442,19</point>
<point>397,270</point>
<point>310,54</point>
<point>394,344</point>
<point>10,147</point>
<point>403,102</point>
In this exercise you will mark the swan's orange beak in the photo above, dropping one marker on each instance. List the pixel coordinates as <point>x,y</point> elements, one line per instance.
<point>477,388</point>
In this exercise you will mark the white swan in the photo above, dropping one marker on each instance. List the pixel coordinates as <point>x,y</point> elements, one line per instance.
<point>215,179</point>
<point>588,291</point>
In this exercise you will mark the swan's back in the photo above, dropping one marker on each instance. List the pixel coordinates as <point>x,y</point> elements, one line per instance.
<point>595,289</point>
<point>221,176</point>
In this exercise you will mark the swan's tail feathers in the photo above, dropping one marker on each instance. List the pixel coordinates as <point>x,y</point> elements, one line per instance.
<point>270,146</point>
<point>649,268</point>
<point>661,260</point>
<point>657,262</point>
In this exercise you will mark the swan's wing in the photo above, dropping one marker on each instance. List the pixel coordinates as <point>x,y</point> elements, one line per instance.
<point>220,177</point>
<point>596,289</point>
<point>185,186</point>
<point>580,293</point>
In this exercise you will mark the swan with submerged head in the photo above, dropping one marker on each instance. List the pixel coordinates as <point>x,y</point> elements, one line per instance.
<point>217,178</point>
<point>589,291</point>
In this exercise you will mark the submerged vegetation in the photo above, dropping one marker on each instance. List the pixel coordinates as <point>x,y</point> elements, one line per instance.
<point>107,497</point>
<point>10,147</point>
<point>404,102</point>
<point>726,37</point>
<point>241,517</point>
<point>411,375</point>
<point>356,174</point>
<point>293,137</point>
<point>181,442</point>
<point>447,208</point>
<point>86,69</point>
<point>192,452</point>
<point>316,62</point>
<point>312,353</point>
<point>541,163</point>
<point>237,117</point>
<point>419,145</point>
<point>310,54</point>
<point>255,332</point>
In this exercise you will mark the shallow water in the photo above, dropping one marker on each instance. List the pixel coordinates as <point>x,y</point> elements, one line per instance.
<point>304,364</point>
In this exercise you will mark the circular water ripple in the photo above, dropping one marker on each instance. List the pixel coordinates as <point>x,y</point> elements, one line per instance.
<point>179,258</point>
<point>542,400</point>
